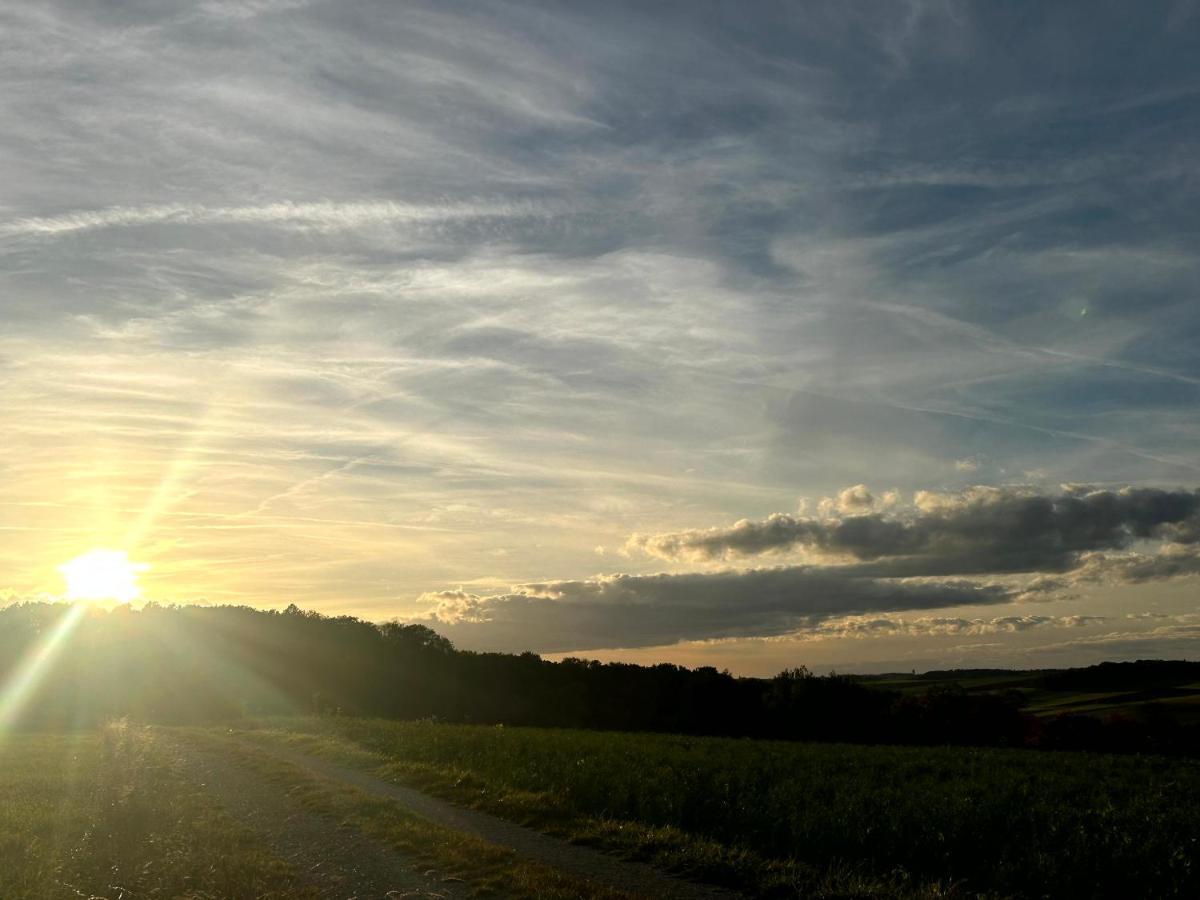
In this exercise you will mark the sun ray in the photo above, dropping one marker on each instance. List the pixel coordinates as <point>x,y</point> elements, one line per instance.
<point>16,691</point>
<point>181,467</point>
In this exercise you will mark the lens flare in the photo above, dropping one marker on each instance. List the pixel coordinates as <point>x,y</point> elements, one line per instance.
<point>16,690</point>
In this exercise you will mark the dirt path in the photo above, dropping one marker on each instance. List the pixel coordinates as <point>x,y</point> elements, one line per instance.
<point>577,860</point>
<point>339,863</point>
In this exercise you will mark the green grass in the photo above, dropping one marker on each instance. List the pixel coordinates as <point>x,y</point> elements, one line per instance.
<point>669,848</point>
<point>1184,708</point>
<point>1061,702</point>
<point>814,820</point>
<point>116,814</point>
<point>919,684</point>
<point>1044,703</point>
<point>113,814</point>
<point>484,868</point>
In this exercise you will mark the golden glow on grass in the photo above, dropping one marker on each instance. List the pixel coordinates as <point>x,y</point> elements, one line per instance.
<point>102,575</point>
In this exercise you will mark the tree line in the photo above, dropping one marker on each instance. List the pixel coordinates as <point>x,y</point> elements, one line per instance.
<point>191,664</point>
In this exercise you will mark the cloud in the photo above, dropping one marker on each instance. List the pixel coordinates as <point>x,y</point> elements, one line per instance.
<point>240,10</point>
<point>849,501</point>
<point>650,610</point>
<point>1181,641</point>
<point>454,607</point>
<point>354,295</point>
<point>318,216</point>
<point>11,597</point>
<point>976,531</point>
<point>1172,561</point>
<point>867,626</point>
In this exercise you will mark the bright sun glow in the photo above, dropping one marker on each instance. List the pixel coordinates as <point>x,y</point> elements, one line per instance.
<point>102,575</point>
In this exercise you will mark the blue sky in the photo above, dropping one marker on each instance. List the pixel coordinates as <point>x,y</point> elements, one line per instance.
<point>414,310</point>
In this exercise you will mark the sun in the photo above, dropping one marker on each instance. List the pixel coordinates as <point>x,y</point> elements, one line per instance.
<point>102,575</point>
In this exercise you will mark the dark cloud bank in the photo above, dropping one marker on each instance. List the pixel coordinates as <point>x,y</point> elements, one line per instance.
<point>873,557</point>
<point>647,610</point>
<point>979,531</point>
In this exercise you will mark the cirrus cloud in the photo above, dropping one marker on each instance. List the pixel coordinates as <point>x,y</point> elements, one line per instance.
<point>316,215</point>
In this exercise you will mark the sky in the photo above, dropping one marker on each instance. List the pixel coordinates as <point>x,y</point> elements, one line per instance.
<point>861,336</point>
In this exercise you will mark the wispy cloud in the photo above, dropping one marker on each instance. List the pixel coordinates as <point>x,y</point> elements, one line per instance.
<point>319,216</point>
<point>388,298</point>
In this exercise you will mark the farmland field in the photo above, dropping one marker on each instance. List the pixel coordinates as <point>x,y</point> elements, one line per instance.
<point>137,811</point>
<point>822,820</point>
<point>1180,698</point>
<point>128,811</point>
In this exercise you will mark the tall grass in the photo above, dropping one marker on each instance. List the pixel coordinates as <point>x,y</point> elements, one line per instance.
<point>1006,821</point>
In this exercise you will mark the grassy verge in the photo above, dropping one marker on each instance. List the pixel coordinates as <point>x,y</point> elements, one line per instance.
<point>113,814</point>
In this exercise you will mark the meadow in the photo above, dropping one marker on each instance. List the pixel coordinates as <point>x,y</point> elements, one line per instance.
<point>788,819</point>
<point>115,814</point>
<point>121,811</point>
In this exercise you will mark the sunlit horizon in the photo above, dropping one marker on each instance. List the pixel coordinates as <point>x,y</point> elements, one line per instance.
<point>851,338</point>
<point>757,441</point>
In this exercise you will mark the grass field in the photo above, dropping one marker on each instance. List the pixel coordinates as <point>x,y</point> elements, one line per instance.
<point>478,866</point>
<point>120,813</point>
<point>813,820</point>
<point>115,814</point>
<point>1182,700</point>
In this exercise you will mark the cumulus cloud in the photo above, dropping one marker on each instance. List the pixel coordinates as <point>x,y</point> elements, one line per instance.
<point>976,531</point>
<point>455,606</point>
<point>850,501</point>
<point>650,610</point>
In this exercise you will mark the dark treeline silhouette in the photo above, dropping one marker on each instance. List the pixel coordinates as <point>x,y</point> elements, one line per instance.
<point>1145,674</point>
<point>188,664</point>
